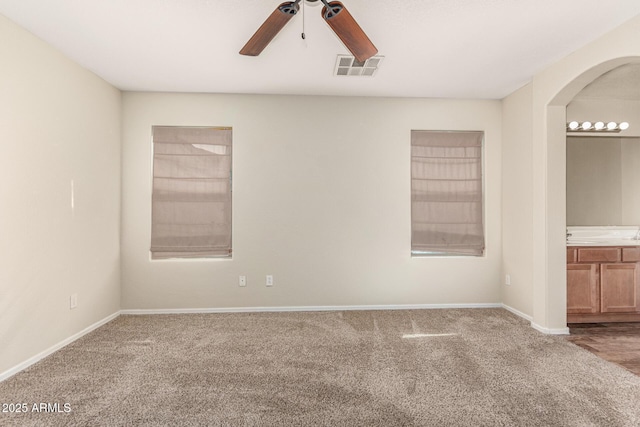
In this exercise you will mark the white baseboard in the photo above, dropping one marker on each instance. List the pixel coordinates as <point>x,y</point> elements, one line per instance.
<point>517,312</point>
<point>305,308</point>
<point>12,371</point>
<point>550,331</point>
<point>24,365</point>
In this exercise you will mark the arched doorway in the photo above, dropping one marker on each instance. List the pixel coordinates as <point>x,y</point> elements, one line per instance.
<point>549,223</point>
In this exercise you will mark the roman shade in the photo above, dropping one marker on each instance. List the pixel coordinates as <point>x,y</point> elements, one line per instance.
<point>191,199</point>
<point>446,193</point>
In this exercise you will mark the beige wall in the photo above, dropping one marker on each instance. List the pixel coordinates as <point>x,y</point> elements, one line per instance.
<point>321,200</point>
<point>58,123</point>
<point>517,209</point>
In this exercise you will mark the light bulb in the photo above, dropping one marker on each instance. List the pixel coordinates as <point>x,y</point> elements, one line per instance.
<point>624,126</point>
<point>586,125</point>
<point>598,126</point>
<point>612,126</point>
<point>574,125</point>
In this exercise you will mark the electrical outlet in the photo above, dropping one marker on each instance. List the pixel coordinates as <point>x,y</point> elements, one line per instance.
<point>507,279</point>
<point>73,301</point>
<point>269,280</point>
<point>242,281</point>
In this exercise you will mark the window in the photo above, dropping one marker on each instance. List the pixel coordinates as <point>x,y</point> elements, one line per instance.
<point>191,200</point>
<point>446,193</point>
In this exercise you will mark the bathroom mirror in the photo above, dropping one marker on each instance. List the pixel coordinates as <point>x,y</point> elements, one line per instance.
<point>603,181</point>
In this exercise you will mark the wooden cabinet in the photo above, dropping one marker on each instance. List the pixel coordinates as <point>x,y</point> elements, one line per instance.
<point>583,288</point>
<point>619,288</point>
<point>603,284</point>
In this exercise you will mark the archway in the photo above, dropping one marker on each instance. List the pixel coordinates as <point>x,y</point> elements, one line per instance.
<point>550,222</point>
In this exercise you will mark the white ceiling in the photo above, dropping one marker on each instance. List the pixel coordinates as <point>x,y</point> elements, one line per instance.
<point>432,48</point>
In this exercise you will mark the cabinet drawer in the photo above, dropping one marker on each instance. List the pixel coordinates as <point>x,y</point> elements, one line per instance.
<point>631,254</point>
<point>599,255</point>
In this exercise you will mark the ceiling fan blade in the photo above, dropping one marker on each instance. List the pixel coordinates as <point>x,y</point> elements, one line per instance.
<point>268,30</point>
<point>348,30</point>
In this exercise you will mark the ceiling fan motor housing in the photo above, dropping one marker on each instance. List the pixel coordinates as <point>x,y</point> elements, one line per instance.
<point>290,8</point>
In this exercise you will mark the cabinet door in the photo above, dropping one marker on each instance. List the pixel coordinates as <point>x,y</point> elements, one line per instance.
<point>619,288</point>
<point>583,293</point>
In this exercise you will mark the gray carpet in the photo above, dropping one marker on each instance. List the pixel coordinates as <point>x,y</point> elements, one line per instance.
<point>474,367</point>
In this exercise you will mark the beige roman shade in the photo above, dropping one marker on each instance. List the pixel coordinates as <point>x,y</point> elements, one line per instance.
<point>191,201</point>
<point>446,193</point>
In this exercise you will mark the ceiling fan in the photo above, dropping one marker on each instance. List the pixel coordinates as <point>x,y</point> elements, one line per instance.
<point>334,13</point>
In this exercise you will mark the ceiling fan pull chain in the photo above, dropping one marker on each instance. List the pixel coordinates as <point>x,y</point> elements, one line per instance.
<point>303,22</point>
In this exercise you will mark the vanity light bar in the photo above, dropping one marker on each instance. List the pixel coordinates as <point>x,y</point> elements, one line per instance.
<point>596,127</point>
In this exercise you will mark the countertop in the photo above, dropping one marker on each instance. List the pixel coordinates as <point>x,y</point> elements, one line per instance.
<point>603,236</point>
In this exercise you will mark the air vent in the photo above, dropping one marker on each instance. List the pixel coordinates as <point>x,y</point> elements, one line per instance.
<point>349,66</point>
